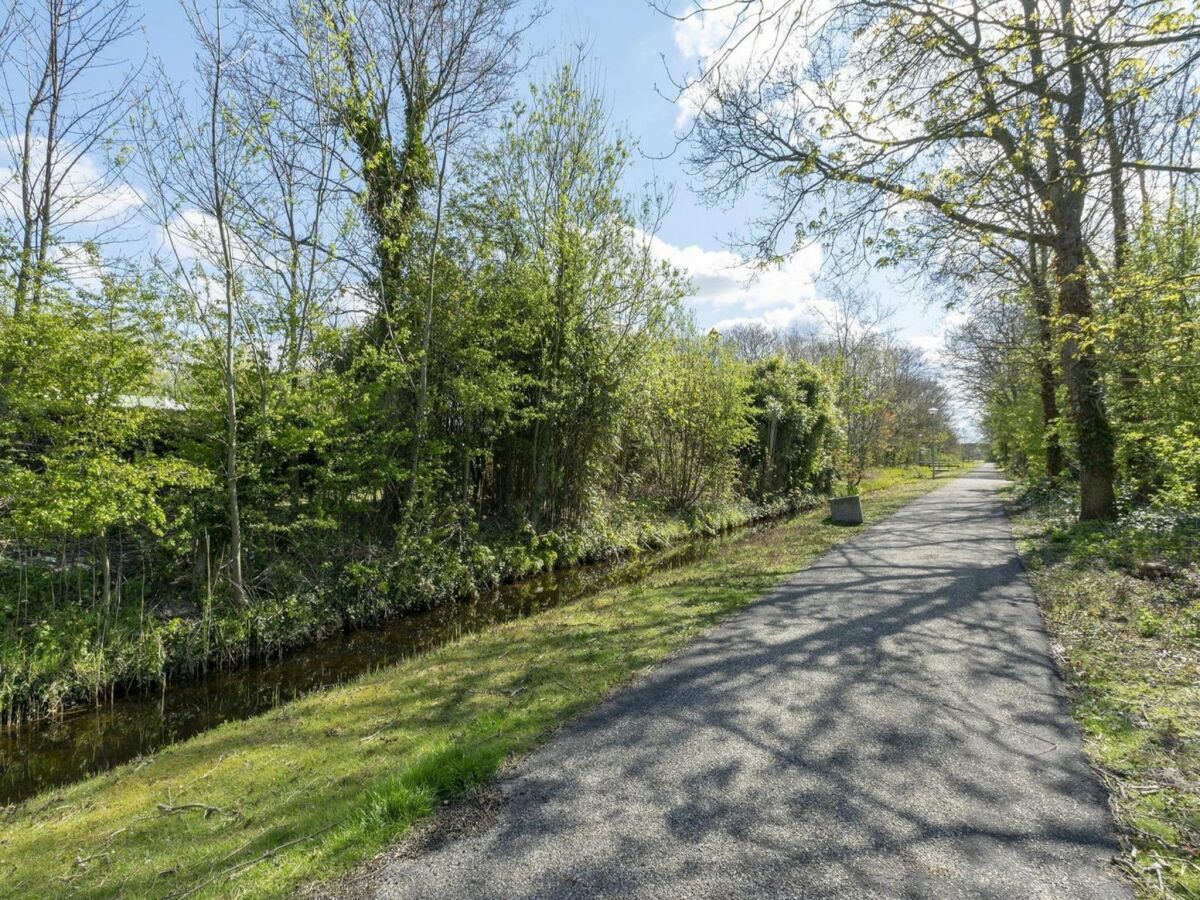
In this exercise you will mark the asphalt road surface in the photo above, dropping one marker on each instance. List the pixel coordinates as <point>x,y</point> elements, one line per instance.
<point>887,724</point>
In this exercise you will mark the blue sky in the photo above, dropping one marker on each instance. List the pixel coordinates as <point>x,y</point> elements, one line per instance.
<point>635,51</point>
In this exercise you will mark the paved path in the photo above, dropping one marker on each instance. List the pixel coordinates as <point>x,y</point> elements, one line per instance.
<point>888,724</point>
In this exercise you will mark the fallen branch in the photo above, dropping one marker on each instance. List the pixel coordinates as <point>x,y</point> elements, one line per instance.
<point>245,865</point>
<point>380,730</point>
<point>166,809</point>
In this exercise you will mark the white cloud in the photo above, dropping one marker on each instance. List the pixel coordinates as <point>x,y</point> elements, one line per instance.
<point>736,38</point>
<point>782,318</point>
<point>193,236</point>
<point>932,345</point>
<point>87,196</point>
<point>700,32</point>
<point>933,341</point>
<point>728,289</point>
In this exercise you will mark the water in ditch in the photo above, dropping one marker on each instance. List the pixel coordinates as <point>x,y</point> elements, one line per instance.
<point>50,752</point>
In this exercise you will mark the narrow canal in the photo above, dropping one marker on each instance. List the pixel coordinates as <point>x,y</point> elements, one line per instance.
<point>51,752</point>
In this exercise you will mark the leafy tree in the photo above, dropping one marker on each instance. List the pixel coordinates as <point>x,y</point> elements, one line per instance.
<point>696,418</point>
<point>996,358</point>
<point>193,154</point>
<point>78,464</point>
<point>546,207</point>
<point>406,82</point>
<point>1152,333</point>
<point>854,116</point>
<point>794,418</point>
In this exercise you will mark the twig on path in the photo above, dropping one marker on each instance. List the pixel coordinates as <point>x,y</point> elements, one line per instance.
<point>1051,745</point>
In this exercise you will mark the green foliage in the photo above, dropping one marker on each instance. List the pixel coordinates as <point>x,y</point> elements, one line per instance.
<point>696,410</point>
<point>1146,335</point>
<point>1013,419</point>
<point>794,417</point>
<point>879,403</point>
<point>78,435</point>
<point>1151,331</point>
<point>569,416</point>
<point>572,299</point>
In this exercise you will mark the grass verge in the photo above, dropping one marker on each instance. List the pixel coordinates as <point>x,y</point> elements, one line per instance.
<point>255,808</point>
<point>1122,603</point>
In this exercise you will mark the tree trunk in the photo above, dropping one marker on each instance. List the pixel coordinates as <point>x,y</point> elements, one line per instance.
<point>106,574</point>
<point>420,415</point>
<point>1047,378</point>
<point>30,205</point>
<point>1081,373</point>
<point>230,283</point>
<point>1120,227</point>
<point>1116,175</point>
<point>1048,389</point>
<point>49,175</point>
<point>1082,376</point>
<point>231,473</point>
<point>394,183</point>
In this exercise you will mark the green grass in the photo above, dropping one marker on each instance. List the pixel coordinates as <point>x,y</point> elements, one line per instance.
<point>255,808</point>
<point>882,479</point>
<point>1128,638</point>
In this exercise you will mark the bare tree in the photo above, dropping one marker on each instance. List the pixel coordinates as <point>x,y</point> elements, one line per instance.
<point>191,152</point>
<point>752,341</point>
<point>292,200</point>
<point>64,96</point>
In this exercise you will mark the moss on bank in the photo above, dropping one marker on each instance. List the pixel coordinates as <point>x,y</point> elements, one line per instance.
<point>1122,602</point>
<point>255,808</point>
